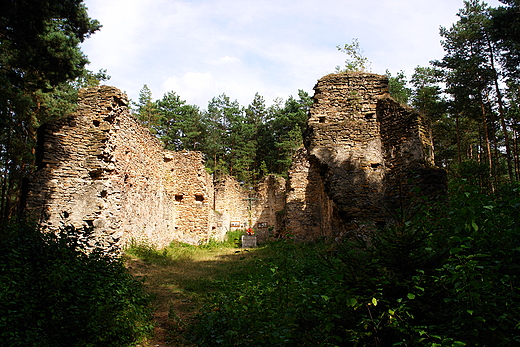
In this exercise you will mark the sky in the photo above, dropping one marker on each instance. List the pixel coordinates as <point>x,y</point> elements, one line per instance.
<point>201,49</point>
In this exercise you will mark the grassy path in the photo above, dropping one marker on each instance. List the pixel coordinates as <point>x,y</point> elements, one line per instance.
<point>179,281</point>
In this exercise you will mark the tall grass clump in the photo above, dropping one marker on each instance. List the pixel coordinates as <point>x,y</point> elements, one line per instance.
<point>53,292</point>
<point>441,275</point>
<point>179,250</point>
<point>165,256</point>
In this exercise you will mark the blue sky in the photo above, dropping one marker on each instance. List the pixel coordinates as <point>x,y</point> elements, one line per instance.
<point>203,48</point>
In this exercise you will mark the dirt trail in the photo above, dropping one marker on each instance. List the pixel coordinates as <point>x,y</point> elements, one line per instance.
<point>178,287</point>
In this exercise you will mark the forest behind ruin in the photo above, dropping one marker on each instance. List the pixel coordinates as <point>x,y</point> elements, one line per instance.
<point>444,274</point>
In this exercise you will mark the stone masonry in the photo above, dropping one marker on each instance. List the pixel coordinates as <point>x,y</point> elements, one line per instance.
<point>363,154</point>
<point>100,168</point>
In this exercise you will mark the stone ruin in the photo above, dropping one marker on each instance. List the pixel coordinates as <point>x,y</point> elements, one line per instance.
<point>363,153</point>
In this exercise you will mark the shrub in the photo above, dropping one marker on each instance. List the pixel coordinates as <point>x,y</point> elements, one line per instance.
<point>444,275</point>
<point>55,293</point>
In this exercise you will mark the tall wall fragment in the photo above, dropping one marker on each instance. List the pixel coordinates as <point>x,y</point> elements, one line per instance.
<point>100,168</point>
<point>364,153</point>
<point>365,150</point>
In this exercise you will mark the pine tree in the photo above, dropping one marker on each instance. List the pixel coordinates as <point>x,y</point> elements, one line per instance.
<point>39,58</point>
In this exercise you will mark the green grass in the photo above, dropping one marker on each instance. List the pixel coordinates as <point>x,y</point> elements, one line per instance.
<point>181,277</point>
<point>442,275</point>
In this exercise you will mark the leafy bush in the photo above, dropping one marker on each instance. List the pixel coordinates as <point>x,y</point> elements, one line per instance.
<point>165,256</point>
<point>54,293</point>
<point>232,239</point>
<point>179,250</point>
<point>444,275</point>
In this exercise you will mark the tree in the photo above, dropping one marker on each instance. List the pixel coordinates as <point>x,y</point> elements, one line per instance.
<point>146,110</point>
<point>426,93</point>
<point>257,115</point>
<point>39,53</point>
<point>180,125</point>
<point>283,134</point>
<point>356,61</point>
<point>428,99</point>
<point>473,79</point>
<point>221,113</point>
<point>397,87</point>
<point>505,31</point>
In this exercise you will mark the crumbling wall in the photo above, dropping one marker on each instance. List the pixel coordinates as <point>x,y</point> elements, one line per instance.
<point>260,207</point>
<point>409,156</point>
<point>365,150</point>
<point>100,168</point>
<point>231,203</point>
<point>269,207</point>
<point>309,212</point>
<point>363,154</point>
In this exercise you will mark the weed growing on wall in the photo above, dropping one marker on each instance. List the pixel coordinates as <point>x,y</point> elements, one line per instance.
<point>443,275</point>
<point>54,293</point>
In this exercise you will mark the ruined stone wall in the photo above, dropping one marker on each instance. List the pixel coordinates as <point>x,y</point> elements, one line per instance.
<point>261,207</point>
<point>269,207</point>
<point>361,146</point>
<point>409,156</point>
<point>100,168</point>
<point>363,154</point>
<point>231,203</point>
<point>309,212</point>
<point>344,136</point>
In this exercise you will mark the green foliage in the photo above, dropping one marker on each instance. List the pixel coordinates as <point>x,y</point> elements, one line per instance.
<point>282,134</point>
<point>53,292</point>
<point>245,142</point>
<point>505,29</point>
<point>234,238</point>
<point>474,70</point>
<point>397,87</point>
<point>146,110</point>
<point>179,250</point>
<point>441,275</point>
<point>40,57</point>
<point>356,61</point>
<point>151,254</point>
<point>180,125</point>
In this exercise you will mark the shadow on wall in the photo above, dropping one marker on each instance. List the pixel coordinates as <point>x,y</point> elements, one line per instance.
<point>334,202</point>
<point>69,184</point>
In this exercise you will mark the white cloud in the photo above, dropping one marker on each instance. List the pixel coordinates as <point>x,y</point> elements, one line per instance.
<point>226,60</point>
<point>194,87</point>
<point>203,48</point>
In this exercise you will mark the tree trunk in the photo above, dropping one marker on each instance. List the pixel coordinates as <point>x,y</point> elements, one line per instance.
<point>501,111</point>
<point>457,130</point>
<point>488,145</point>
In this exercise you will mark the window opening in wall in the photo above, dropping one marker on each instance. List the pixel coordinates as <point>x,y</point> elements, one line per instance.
<point>179,197</point>
<point>96,123</point>
<point>369,116</point>
<point>322,119</point>
<point>96,174</point>
<point>375,165</point>
<point>199,197</point>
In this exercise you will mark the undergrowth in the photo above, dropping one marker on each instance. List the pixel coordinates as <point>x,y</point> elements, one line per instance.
<point>442,275</point>
<point>179,250</point>
<point>55,292</point>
